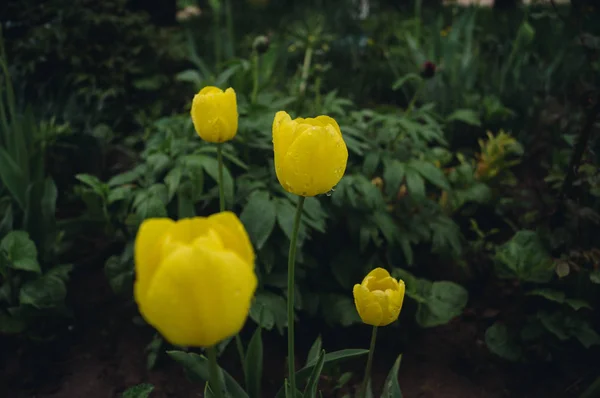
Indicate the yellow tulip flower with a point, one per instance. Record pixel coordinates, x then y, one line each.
378 299
214 114
310 154
195 277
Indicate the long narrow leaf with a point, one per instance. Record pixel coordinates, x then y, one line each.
13 178
333 357
313 381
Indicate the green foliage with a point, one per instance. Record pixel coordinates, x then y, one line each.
437 302
139 391
32 284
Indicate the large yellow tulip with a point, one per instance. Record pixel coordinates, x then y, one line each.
378 299
195 277
310 154
214 114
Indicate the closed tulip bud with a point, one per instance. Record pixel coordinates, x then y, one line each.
261 44
195 277
214 114
310 154
378 299
428 70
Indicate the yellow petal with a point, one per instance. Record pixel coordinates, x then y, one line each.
200 296
314 163
210 90
233 235
148 251
283 133
378 273
326 120
367 306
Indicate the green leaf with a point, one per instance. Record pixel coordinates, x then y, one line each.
268 310
415 183
254 364
431 173
150 206
330 359
314 351
310 391
259 217
524 257
13 178
119 193
93 182
185 201
120 274
564 326
172 181
401 81
7 218
549 294
393 175
500 343
20 252
467 116
286 211
45 292
595 276
196 368
61 272
139 391
391 388
444 301
578 304
371 163
211 166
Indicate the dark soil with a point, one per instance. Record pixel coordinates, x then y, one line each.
103 354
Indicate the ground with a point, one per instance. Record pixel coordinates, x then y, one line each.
104 354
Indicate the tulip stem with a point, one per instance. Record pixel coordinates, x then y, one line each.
290 296
220 177
213 372
238 339
256 60
363 389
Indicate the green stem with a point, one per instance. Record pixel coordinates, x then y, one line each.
230 32
413 100
217 37
256 60
363 389
220 176
213 372
238 339
290 293
318 94
306 68
304 77
409 109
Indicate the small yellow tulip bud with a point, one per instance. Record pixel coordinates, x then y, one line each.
195 277
310 154
378 299
214 113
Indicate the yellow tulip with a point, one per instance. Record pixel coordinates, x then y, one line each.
310 154
195 277
214 114
378 299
